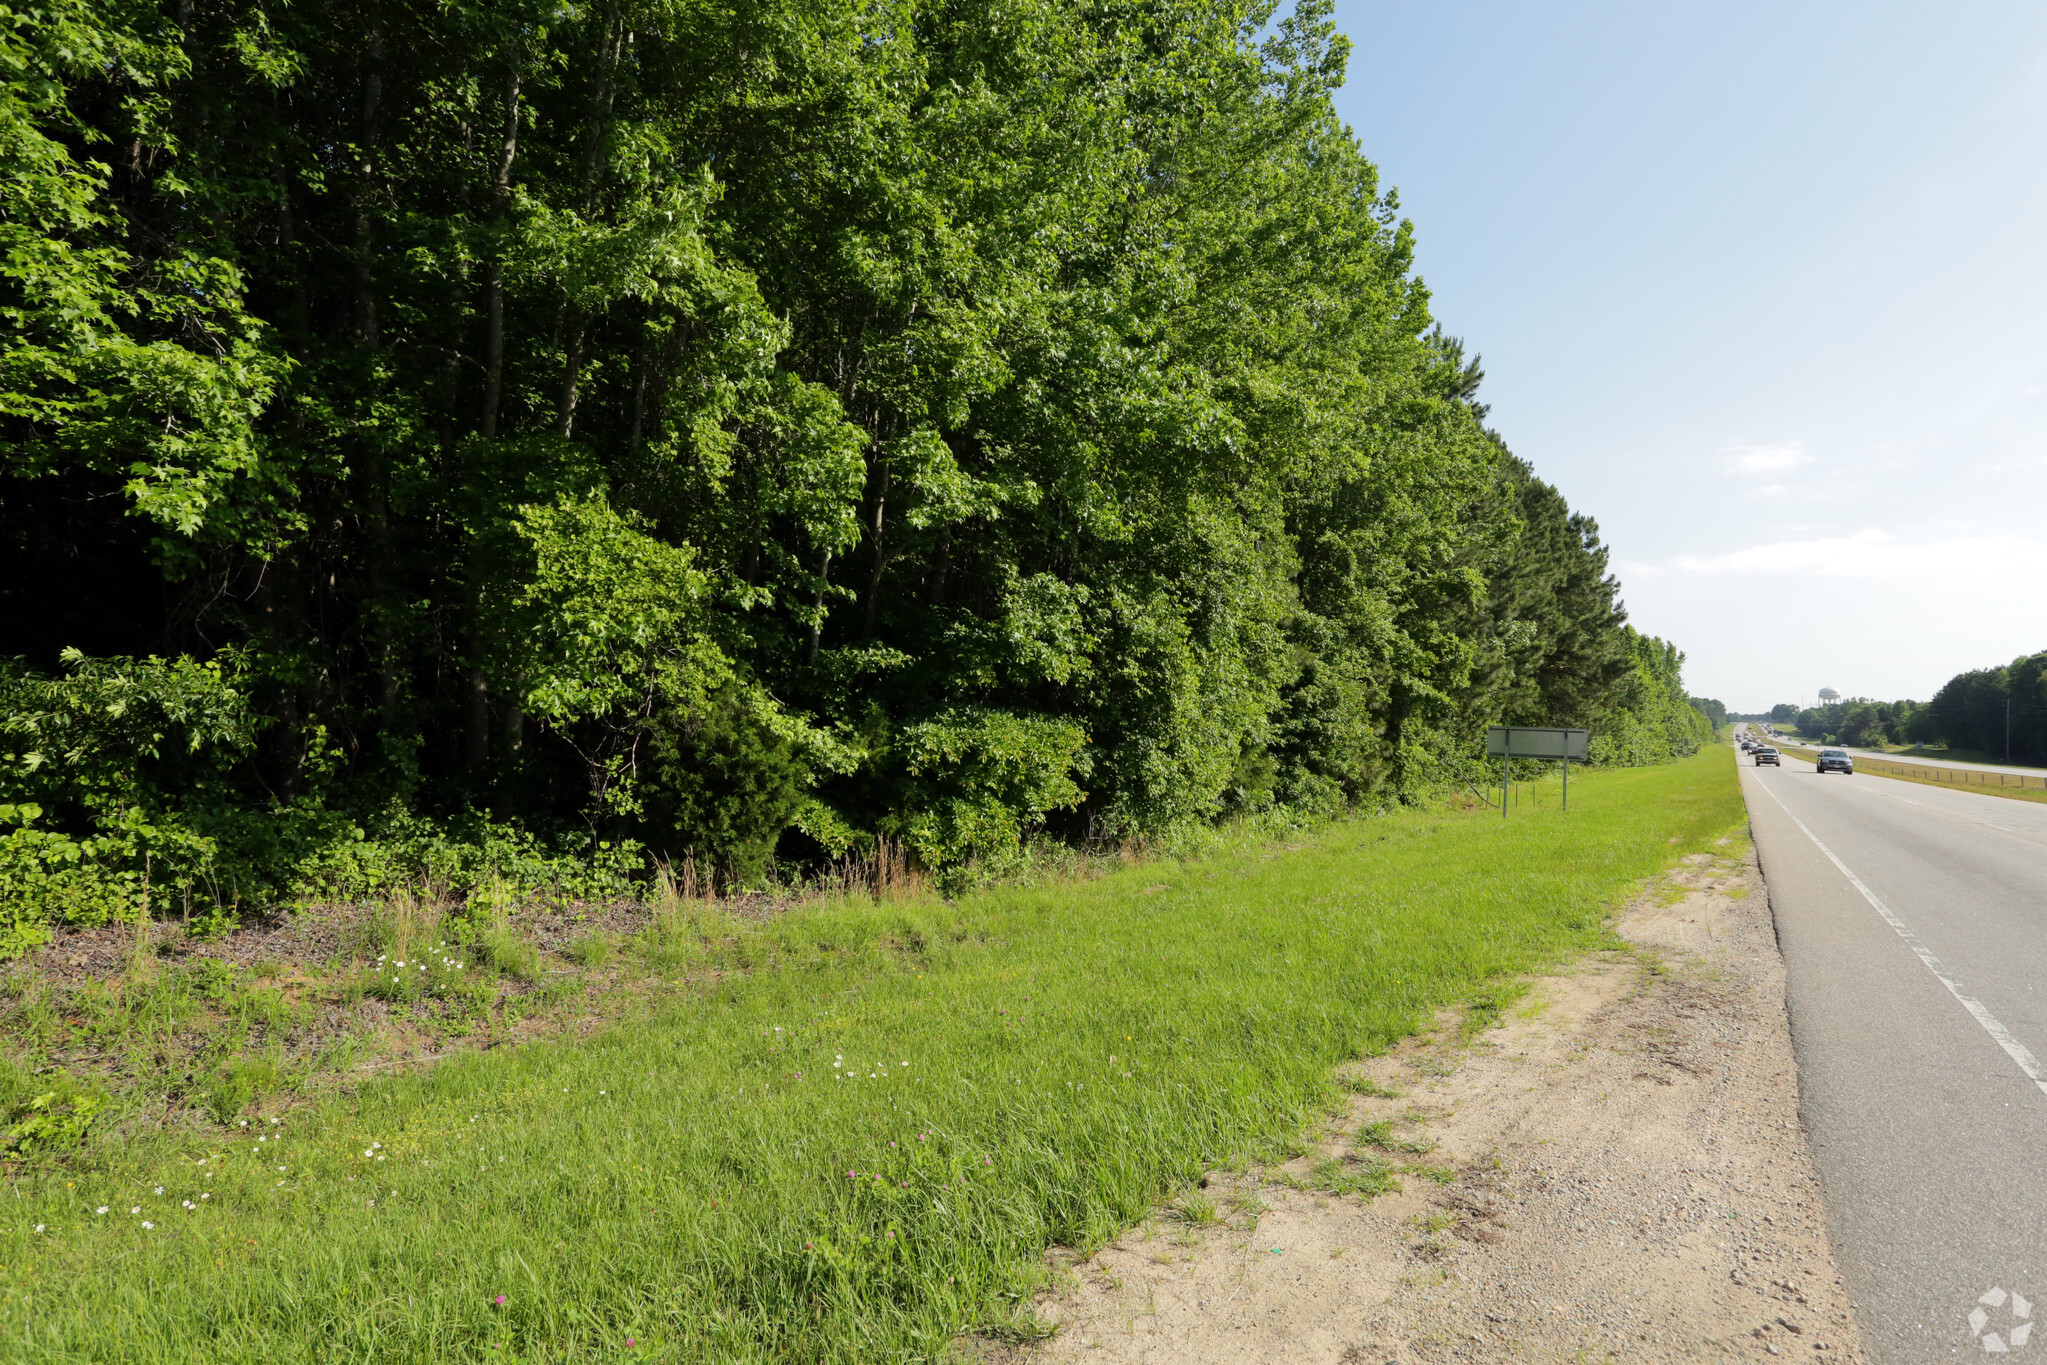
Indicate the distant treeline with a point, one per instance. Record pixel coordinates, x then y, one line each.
450 437
1995 711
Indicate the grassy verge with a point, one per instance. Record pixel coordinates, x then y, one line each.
1979 756
2016 786
855 1156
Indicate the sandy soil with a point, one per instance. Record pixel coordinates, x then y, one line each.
1616 1171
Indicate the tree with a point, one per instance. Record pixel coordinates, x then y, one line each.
745 432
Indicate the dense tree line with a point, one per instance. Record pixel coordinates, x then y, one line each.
1993 711
1858 721
750 429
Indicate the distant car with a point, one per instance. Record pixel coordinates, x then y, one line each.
1837 761
1765 754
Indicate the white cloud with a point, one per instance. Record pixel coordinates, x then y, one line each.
1748 460
1871 554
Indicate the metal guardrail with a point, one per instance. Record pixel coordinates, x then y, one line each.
1926 772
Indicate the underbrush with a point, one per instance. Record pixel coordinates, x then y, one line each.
847 1132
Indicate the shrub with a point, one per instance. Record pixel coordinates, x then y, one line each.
50 1120
729 776
48 879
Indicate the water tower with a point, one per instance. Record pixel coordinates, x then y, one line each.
1828 694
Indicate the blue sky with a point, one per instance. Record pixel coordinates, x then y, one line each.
1764 289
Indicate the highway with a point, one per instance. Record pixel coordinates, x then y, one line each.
1908 757
1913 922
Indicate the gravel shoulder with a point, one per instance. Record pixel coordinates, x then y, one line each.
1616 1170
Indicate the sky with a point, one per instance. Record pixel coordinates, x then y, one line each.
1763 289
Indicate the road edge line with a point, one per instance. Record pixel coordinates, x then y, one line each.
1999 1034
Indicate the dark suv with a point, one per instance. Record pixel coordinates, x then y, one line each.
1837 761
1765 754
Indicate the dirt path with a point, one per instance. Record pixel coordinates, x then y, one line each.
1617 1171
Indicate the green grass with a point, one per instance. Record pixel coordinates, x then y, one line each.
1958 755
1361 1176
2013 786
1381 1136
855 1155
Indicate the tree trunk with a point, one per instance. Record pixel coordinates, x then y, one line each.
285 740
874 572
364 320
515 718
476 740
299 314
493 274
593 148
824 573
572 366
383 634
375 474
641 359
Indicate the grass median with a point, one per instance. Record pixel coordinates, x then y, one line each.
2012 786
857 1139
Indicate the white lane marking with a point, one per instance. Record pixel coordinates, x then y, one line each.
1999 1034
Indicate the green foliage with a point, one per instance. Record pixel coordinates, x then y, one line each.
126 757
1994 711
727 775
43 1116
1076 1054
486 439
980 779
1991 712
1655 721
486 861
1874 724
238 1085
212 979
48 878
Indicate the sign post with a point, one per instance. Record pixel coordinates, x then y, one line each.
1510 742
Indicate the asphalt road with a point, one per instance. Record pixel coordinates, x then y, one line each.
1909 757
1915 1027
